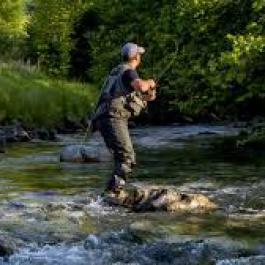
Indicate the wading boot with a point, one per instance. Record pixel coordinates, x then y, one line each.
115 185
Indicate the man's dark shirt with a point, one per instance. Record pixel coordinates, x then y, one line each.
127 77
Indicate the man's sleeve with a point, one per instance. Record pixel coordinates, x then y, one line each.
129 76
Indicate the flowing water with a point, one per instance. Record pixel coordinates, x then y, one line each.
55 211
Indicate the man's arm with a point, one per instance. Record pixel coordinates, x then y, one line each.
143 85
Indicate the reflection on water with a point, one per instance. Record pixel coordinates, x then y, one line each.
186 157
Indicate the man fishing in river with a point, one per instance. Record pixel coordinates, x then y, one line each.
123 96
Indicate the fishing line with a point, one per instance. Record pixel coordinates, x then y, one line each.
171 62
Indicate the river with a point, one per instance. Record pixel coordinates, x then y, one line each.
55 210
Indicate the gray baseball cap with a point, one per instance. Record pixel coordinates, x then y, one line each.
131 50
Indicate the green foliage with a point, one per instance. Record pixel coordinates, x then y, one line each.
254 138
215 48
12 18
28 96
50 33
218 45
13 21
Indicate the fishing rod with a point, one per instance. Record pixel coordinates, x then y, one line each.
169 65
161 75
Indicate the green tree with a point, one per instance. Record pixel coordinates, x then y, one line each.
50 33
13 21
12 17
218 47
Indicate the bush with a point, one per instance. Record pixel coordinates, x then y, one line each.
13 21
254 138
50 31
215 48
35 100
218 47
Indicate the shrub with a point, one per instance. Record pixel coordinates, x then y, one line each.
35 100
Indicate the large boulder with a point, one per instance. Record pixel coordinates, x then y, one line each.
80 154
148 198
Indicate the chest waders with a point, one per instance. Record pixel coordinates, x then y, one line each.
116 105
117 100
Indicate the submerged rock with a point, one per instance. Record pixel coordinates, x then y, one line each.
148 198
13 134
8 245
65 211
79 154
43 134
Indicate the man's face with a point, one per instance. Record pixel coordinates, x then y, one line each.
138 59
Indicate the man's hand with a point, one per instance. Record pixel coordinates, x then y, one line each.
150 95
144 85
152 83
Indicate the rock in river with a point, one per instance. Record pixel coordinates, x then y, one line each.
8 245
79 154
150 198
13 134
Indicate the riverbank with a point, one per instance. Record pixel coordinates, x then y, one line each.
32 99
35 106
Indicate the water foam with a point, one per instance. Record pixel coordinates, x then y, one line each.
97 207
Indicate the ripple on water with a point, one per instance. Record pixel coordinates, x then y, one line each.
154 137
96 207
258 260
51 255
125 247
